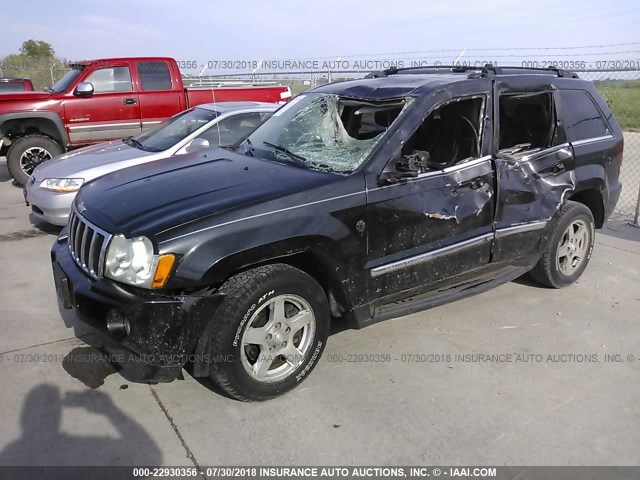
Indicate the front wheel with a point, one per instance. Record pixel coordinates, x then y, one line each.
269 332
569 248
26 153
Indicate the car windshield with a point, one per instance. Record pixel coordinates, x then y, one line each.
67 79
170 132
323 132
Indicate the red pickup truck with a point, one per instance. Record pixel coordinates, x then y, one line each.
102 100
15 85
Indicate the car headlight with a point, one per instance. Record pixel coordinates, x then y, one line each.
131 260
62 185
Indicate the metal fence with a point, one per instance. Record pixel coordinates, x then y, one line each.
620 88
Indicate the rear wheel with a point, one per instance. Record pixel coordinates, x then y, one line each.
26 153
269 332
569 249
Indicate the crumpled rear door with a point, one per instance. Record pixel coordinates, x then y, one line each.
532 185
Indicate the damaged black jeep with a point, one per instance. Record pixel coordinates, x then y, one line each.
358 201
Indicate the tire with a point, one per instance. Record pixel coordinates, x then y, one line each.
26 153
260 306
568 249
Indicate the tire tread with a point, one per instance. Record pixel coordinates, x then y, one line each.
237 289
13 164
543 271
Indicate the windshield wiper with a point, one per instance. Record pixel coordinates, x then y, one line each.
136 143
298 160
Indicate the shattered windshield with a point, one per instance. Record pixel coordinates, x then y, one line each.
323 132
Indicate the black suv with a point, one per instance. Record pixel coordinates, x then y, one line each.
358 201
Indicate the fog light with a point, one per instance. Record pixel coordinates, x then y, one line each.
117 324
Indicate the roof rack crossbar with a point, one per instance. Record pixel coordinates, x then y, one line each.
485 70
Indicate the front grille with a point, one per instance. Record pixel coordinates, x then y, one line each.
87 244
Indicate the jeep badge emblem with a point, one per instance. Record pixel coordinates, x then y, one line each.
82 208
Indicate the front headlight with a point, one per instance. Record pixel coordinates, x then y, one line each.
62 185
131 260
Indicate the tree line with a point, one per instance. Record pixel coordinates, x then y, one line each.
36 61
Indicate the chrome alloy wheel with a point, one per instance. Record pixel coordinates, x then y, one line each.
278 338
573 248
32 157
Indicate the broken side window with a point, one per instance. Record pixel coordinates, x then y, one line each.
450 134
582 117
324 131
527 121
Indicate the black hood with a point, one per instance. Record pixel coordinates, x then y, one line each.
150 198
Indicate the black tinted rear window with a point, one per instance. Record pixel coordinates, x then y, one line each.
583 119
154 76
11 87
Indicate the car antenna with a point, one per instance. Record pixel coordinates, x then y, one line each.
215 106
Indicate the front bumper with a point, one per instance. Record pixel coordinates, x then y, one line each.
163 329
52 207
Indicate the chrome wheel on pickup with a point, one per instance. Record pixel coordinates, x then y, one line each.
26 153
568 246
269 331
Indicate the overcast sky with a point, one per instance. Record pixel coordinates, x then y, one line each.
288 29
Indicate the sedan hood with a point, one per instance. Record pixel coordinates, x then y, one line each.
150 198
75 163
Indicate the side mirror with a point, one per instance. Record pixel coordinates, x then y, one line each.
404 168
197 144
83 89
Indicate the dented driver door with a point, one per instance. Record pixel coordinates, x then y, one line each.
425 232
535 170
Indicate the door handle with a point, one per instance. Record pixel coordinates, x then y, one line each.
474 184
553 170
129 101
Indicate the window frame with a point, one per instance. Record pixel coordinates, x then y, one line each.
557 137
141 76
95 92
569 128
224 118
481 128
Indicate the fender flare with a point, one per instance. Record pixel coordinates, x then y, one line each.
60 133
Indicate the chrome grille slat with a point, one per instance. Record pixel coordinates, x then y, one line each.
103 254
77 239
83 247
87 244
92 265
73 223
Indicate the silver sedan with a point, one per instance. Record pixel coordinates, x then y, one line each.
54 184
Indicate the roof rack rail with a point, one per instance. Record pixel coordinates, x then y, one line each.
484 71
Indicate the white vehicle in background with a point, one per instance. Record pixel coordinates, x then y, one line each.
53 185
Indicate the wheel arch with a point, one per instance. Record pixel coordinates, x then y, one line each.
319 257
592 199
20 124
